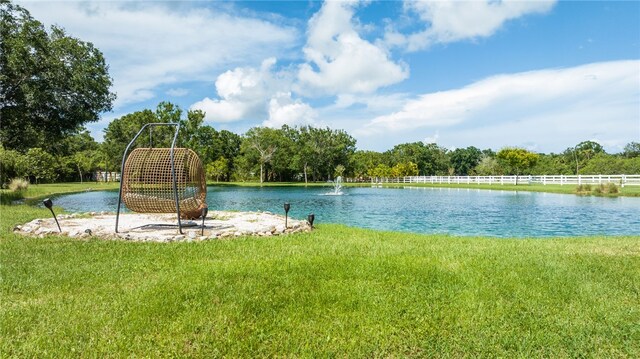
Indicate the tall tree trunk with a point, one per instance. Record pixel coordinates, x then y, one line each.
261 172
305 173
80 172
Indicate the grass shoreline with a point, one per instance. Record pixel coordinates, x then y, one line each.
628 191
35 192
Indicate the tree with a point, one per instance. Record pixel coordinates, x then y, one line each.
404 169
631 150
430 158
362 162
260 145
281 166
244 169
464 160
321 150
380 171
40 165
550 164
12 164
208 143
50 83
306 152
225 143
488 166
120 132
218 168
606 164
583 152
84 161
517 160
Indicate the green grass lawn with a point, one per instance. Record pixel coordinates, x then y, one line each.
337 291
628 191
43 190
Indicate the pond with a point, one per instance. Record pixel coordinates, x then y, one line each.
421 210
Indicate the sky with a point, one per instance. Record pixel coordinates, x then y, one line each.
543 75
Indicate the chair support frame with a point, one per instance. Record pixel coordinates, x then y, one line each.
173 169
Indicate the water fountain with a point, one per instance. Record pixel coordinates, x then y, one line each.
337 187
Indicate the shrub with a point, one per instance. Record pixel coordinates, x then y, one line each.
583 189
18 185
612 188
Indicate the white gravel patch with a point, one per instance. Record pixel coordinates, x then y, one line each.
152 227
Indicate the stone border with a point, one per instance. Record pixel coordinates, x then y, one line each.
162 227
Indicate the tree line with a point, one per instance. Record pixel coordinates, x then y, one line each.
52 84
305 154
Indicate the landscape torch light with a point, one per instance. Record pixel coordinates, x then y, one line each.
205 211
47 203
287 207
310 219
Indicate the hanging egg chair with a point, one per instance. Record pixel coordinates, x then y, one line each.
163 180
147 182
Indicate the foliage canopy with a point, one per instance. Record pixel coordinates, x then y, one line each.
50 83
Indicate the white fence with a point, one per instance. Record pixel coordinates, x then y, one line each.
621 180
102 176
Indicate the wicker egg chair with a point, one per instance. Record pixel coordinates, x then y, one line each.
163 180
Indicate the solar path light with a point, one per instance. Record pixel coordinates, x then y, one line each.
287 207
47 203
205 210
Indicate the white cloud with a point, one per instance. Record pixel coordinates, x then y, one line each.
283 110
149 44
556 106
432 139
374 103
339 60
243 93
177 92
349 67
450 20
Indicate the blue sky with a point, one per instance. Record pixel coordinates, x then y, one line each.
542 75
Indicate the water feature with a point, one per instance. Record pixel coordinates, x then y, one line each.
337 188
422 210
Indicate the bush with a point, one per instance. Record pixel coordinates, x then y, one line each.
18 185
583 189
602 188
